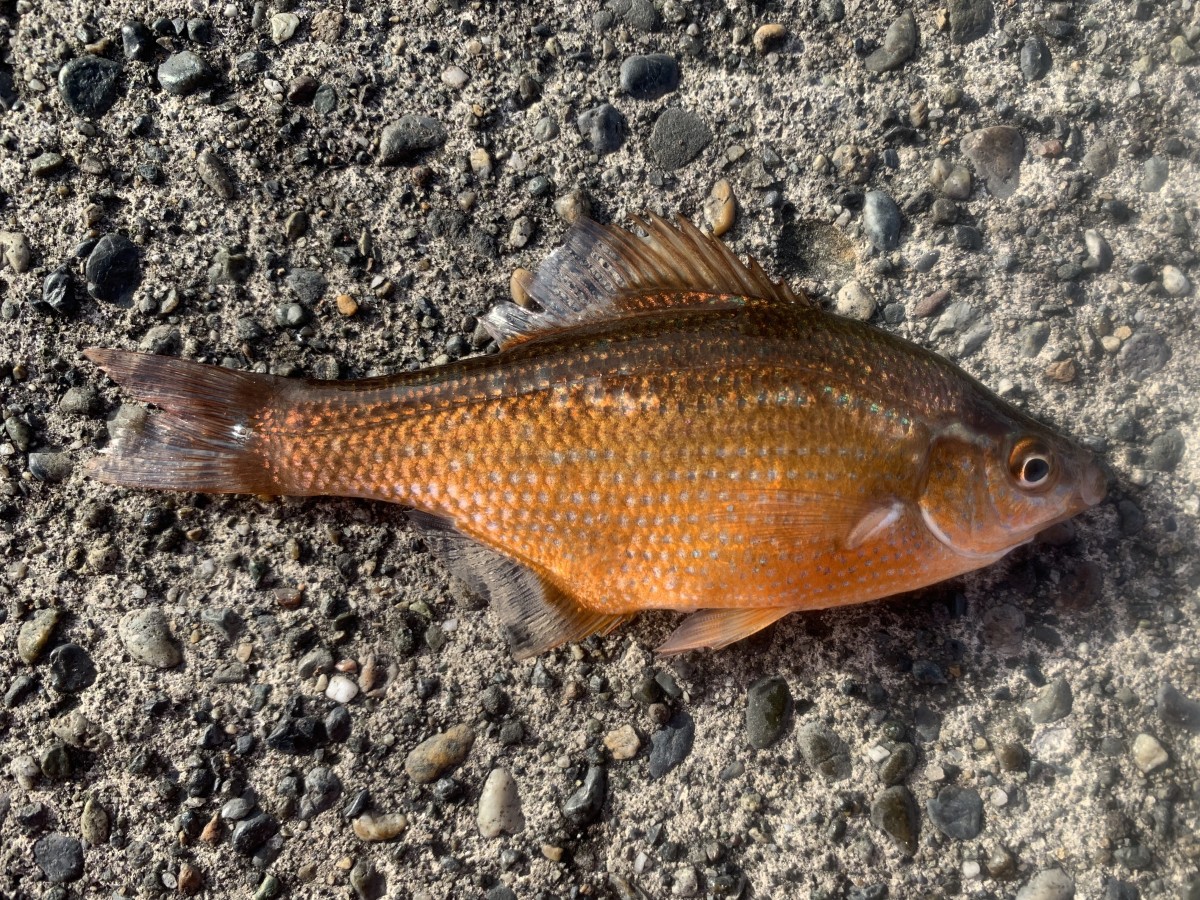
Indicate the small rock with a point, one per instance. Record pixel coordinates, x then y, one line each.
1036 60
969 19
408 137
677 138
1052 702
35 633
79 401
898 45
71 669
957 185
769 37
50 466
454 77
113 269
183 73
88 85
1101 158
367 881
94 822
252 833
500 806
1174 282
1143 355
573 206
957 812
1099 253
602 128
1177 710
649 77
825 752
1154 174
881 221
894 812
585 805
1049 884
640 15
137 42
671 745
1181 51
17 253
720 209
623 743
214 174
47 164
437 755
996 153
60 857
283 27
768 706
147 636
322 789
341 689
899 763
1148 753
308 285
375 827
1166 451
854 302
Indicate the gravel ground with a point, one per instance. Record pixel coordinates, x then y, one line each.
225 696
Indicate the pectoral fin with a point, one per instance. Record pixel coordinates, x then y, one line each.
717 628
874 524
536 615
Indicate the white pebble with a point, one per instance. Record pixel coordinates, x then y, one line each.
854 302
878 754
454 77
1148 753
341 689
283 26
971 869
1174 282
999 798
500 806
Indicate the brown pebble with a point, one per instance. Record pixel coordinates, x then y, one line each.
382 827
214 174
435 756
1064 371
212 831
518 286
346 305
932 303
769 37
189 881
1052 149
720 209
552 853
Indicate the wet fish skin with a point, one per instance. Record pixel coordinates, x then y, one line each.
650 441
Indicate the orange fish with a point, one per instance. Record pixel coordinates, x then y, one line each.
669 429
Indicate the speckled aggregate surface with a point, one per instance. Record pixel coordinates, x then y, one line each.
124 738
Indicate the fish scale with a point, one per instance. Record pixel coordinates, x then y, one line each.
667 429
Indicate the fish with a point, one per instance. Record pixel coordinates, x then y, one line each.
662 427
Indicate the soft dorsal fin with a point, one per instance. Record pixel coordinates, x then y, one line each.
602 272
537 616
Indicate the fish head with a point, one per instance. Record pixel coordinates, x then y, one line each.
992 486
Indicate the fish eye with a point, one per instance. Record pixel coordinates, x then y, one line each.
1031 464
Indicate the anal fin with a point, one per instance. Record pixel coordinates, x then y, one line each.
536 615
717 628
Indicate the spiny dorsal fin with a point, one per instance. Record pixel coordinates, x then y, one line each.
537 616
602 272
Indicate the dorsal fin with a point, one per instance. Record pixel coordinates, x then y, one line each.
602 272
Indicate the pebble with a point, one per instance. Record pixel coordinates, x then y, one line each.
1174 282
88 85
898 764
346 305
408 137
1052 702
79 401
147 636
341 689
500 806
1099 253
677 138
602 128
322 789
214 174
308 285
17 253
573 206
367 881
113 269
1049 884
854 301
881 221
1181 51
640 15
623 743
454 77
899 42
894 812
35 633
1148 753
671 745
71 669
1100 159
250 834
376 827
1036 60
768 708
283 27
1177 710
47 164
769 37
1144 354
137 42
969 19
996 152
50 466
60 857
957 184
585 805
184 73
1154 174
94 823
1166 451
720 209
956 812
435 756
649 77
825 752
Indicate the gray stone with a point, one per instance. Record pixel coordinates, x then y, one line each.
1174 282
1101 158
50 466
825 752
1036 60
898 764
113 269
1049 884
894 812
409 137
322 789
1099 253
147 636
1154 174
671 745
898 45
214 173
969 20
649 77
602 128
585 805
252 833
677 138
1177 710
768 706
183 73
996 153
1166 451
71 669
60 857
882 221
88 85
1052 702
640 15
1144 354
308 285
956 812
35 633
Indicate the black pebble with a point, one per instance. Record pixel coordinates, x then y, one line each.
113 269
71 669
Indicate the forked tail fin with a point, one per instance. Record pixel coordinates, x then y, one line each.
204 439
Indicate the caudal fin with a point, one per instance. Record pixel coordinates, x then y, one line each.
204 438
